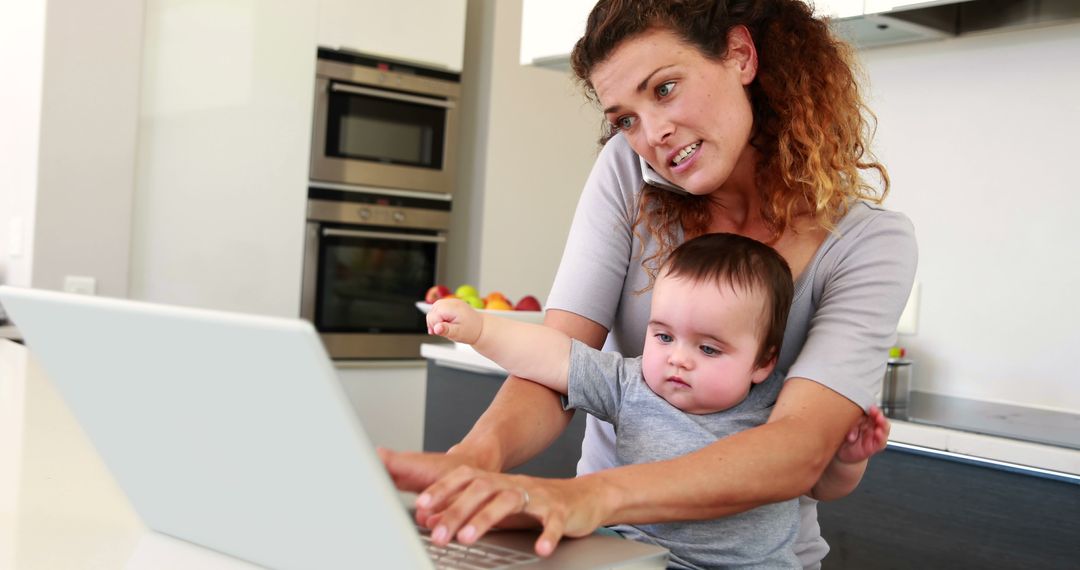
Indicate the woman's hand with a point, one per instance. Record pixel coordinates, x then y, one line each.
867 437
469 502
413 472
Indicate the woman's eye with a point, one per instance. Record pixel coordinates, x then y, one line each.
623 123
663 337
665 89
709 351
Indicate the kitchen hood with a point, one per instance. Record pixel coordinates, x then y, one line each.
902 22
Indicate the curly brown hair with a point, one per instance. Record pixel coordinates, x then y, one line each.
811 127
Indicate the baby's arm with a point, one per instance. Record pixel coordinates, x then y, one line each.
529 351
867 437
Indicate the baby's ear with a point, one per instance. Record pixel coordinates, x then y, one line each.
762 372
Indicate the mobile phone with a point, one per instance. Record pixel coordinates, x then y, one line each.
652 178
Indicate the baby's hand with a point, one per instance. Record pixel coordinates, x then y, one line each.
867 437
455 320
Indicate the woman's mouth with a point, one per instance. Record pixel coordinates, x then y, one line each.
685 153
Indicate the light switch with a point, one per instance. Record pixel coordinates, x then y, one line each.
909 319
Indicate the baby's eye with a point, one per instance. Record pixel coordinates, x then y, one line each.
709 351
663 337
665 89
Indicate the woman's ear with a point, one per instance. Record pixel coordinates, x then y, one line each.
743 53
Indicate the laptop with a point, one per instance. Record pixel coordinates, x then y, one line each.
232 432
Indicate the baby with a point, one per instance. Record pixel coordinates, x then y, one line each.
719 309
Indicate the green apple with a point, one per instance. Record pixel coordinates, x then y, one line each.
476 302
466 291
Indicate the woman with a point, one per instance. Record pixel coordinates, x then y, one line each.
752 108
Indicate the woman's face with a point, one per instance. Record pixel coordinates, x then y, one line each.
688 116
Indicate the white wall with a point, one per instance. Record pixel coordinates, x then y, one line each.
67 147
22 53
87 148
224 137
979 135
538 141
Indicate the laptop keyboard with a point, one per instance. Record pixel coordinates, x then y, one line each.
455 556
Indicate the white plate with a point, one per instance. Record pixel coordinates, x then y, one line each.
527 316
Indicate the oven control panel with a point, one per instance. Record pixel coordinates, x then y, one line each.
331 205
381 215
375 215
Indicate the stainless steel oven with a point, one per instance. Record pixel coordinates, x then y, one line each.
384 124
369 257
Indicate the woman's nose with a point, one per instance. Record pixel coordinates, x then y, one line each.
657 129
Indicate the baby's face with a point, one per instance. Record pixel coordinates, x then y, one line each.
701 344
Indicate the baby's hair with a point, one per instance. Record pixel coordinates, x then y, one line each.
744 264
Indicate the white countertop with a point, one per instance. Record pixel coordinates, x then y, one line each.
461 356
10 332
1000 449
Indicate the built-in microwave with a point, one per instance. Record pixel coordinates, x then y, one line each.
384 124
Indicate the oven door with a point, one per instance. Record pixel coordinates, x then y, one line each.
369 136
361 285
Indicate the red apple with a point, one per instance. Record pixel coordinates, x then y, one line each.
527 303
435 293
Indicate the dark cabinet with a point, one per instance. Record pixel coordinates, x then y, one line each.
922 510
456 398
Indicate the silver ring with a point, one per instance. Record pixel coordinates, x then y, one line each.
525 496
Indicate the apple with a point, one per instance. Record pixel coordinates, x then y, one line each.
467 291
475 301
496 295
435 293
498 305
527 303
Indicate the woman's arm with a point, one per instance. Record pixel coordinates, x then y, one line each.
778 461
802 435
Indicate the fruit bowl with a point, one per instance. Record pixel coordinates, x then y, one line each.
527 316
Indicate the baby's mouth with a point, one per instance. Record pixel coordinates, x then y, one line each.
677 380
685 153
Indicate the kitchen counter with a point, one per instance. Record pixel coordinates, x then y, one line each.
460 356
1017 422
1044 441
10 332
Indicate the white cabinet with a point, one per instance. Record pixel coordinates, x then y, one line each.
389 400
426 32
837 8
550 28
